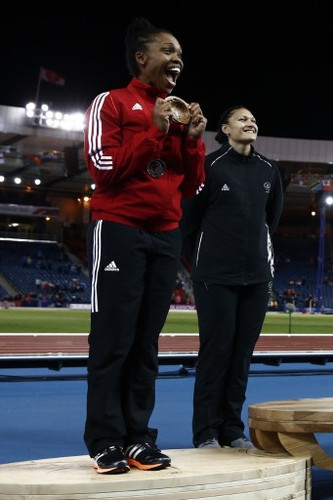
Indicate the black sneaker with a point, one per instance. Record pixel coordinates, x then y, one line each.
146 456
111 461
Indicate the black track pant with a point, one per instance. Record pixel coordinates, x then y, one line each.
230 320
133 274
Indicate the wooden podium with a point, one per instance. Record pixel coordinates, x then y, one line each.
291 425
227 474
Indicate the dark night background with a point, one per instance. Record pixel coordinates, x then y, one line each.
273 57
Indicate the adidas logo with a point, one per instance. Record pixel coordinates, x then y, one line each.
225 187
111 267
137 106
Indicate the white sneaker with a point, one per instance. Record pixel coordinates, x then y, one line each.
209 443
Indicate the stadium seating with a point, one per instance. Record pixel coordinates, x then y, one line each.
43 274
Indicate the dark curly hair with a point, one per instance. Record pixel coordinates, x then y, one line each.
140 33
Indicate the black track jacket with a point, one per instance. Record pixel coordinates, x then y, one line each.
227 227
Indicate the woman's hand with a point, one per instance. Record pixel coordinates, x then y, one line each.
162 114
198 122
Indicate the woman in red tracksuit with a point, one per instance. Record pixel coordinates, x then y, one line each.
143 163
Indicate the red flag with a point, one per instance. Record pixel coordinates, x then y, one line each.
50 76
328 185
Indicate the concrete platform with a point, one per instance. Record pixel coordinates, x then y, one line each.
227 474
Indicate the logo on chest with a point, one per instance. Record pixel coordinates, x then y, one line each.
267 187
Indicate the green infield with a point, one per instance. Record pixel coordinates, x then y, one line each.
16 320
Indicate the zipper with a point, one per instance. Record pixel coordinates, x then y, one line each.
198 250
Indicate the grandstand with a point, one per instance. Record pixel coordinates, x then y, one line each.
43 274
43 226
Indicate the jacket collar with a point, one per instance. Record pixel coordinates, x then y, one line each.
144 90
226 148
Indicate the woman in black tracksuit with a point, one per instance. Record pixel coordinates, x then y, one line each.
227 232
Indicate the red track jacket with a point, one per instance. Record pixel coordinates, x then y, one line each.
120 142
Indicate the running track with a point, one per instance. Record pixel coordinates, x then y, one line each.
57 350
